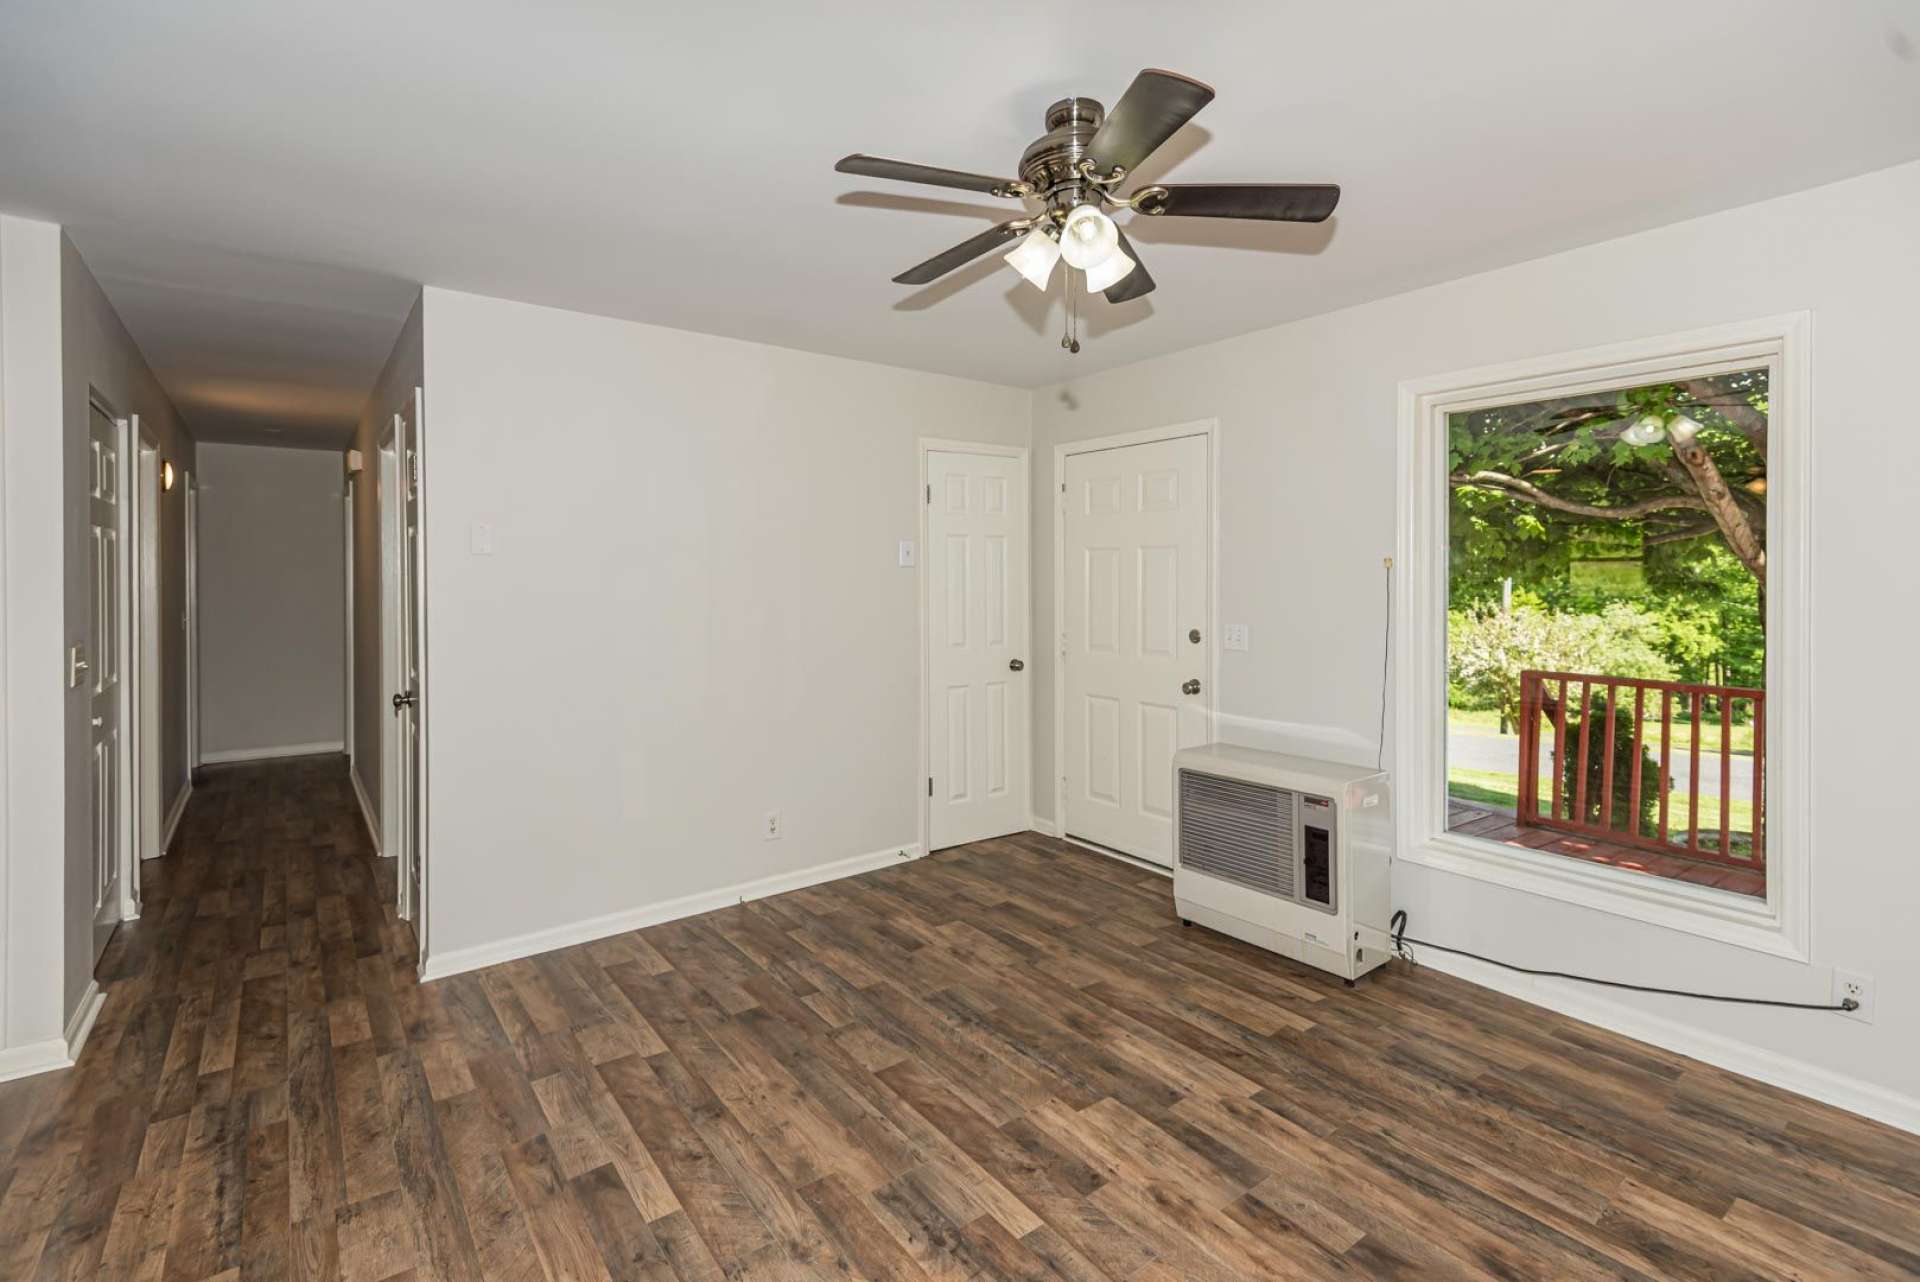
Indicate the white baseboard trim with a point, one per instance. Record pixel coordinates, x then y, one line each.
1045 827
366 806
34 1058
1119 856
1868 1099
265 754
175 813
441 965
80 1026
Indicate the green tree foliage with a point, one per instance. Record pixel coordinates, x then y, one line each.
1536 486
1488 649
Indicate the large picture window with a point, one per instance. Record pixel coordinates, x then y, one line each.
1601 674
1606 641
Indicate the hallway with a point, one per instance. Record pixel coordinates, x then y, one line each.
1007 1060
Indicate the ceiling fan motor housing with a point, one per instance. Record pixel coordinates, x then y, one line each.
1053 159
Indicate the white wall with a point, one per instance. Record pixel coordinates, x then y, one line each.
272 601
692 614
1307 415
32 871
371 711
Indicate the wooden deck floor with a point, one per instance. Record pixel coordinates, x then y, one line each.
1495 825
1004 1061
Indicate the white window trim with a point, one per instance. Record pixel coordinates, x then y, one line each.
1778 926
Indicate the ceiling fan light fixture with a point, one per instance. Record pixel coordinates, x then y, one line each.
1088 237
1034 258
1109 271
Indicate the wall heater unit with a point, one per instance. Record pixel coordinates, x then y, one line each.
1288 853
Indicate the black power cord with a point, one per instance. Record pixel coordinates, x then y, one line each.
1398 925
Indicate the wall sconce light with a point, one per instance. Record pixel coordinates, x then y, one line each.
166 474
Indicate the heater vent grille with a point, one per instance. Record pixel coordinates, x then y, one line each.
1239 832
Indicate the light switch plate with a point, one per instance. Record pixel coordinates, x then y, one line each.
907 558
1235 636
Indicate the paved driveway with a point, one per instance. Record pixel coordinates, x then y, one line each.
1500 753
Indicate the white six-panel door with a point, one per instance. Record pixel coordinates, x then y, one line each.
1133 644
105 655
976 566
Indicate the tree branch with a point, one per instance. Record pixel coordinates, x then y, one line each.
1682 534
1726 511
1520 489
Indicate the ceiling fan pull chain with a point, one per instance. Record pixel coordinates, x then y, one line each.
1071 338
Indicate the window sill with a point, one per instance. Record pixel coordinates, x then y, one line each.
1727 918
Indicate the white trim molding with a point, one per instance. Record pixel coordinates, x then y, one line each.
229 755
1780 924
1868 1099
56 1052
366 805
175 813
460 960
80 1023
34 1058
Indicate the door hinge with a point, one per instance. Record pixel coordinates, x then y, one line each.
929 785
929 494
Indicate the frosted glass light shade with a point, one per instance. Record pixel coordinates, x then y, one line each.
1088 237
1109 271
1034 257
1681 429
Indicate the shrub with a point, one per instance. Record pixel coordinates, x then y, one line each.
1625 750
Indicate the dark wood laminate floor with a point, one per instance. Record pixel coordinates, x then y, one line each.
1005 1061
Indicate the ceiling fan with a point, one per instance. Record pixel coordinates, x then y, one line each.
1075 168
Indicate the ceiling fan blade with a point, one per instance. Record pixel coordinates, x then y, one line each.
1136 283
901 171
965 252
1151 111
1275 202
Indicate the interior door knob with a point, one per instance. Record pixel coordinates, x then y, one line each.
1016 665
1191 687
402 700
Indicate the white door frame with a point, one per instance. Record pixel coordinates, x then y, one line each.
347 502
191 491
923 500
148 680
127 435
392 511
1210 429
422 679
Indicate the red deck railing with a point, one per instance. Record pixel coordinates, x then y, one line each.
1586 799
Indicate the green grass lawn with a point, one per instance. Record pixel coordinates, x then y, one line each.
1491 788
1486 721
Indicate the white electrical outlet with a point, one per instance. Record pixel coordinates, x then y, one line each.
1847 984
1235 636
772 830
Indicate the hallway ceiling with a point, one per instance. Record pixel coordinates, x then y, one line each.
261 187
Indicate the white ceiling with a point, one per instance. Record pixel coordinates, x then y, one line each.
260 186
